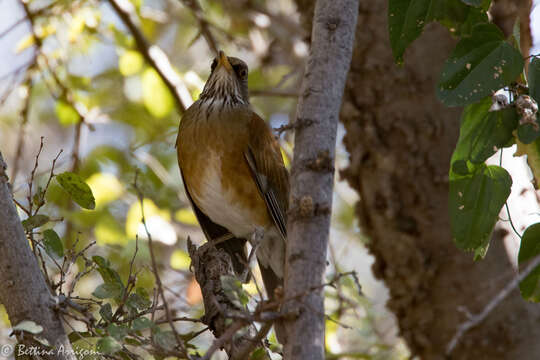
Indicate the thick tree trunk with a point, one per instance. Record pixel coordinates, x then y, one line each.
24 291
400 139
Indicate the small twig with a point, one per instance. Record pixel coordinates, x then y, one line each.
475 320
155 270
251 344
153 54
224 338
204 27
299 123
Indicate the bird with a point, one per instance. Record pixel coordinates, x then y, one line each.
234 174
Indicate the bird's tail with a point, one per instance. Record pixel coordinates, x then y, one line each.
271 282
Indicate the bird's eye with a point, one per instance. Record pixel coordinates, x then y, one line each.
213 66
240 70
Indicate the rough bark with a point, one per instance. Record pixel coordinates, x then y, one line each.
400 139
312 174
25 294
224 318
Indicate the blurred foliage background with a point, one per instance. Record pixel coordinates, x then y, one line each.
73 75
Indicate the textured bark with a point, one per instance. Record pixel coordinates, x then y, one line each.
312 175
25 294
400 139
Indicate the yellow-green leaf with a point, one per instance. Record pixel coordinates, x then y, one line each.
25 43
130 63
79 191
186 216
180 260
66 114
156 97
105 187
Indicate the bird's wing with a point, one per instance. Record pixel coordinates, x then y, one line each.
235 247
264 159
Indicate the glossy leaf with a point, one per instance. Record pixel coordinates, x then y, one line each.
475 201
407 18
482 133
478 66
79 191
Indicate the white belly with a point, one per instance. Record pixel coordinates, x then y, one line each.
218 204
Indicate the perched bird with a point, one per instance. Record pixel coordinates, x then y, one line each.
234 174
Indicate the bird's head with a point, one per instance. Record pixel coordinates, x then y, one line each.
227 83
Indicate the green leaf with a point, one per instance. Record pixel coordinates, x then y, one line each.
258 354
482 133
529 249
478 66
533 79
529 287
108 291
141 324
527 133
106 312
117 332
165 339
107 345
34 221
407 18
156 96
67 115
79 191
530 244
475 201
53 243
137 302
29 327
234 291
108 275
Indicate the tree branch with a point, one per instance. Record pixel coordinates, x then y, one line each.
155 57
312 175
26 295
477 319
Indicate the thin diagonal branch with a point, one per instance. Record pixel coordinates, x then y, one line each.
477 319
155 57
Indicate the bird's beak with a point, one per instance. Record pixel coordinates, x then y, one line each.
223 61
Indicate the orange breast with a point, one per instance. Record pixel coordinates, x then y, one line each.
211 158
